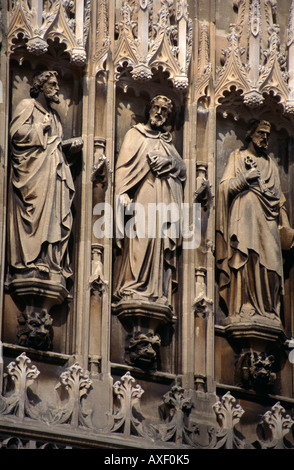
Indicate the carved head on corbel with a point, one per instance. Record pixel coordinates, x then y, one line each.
142 349
35 329
255 369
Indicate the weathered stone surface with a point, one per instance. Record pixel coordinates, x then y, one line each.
133 344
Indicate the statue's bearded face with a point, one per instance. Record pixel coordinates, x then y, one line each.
51 90
260 137
158 113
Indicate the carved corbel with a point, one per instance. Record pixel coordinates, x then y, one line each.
142 319
255 369
35 328
36 296
142 349
37 46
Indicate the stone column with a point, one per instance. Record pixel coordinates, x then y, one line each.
4 116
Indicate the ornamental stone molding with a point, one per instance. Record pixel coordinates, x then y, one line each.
39 21
176 427
280 424
228 413
145 45
179 367
258 67
22 374
256 369
129 395
177 408
204 66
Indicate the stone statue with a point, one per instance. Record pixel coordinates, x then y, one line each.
41 186
252 229
149 171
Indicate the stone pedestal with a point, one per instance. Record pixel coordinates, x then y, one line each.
257 339
142 319
36 294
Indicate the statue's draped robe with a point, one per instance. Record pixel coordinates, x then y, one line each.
145 260
41 193
248 242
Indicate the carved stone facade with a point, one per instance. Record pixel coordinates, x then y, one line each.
114 114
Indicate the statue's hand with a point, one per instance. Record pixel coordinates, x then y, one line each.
158 161
76 145
125 199
73 145
252 175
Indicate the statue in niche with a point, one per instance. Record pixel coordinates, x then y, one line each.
149 171
41 186
252 229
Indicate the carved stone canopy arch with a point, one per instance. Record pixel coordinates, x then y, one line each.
254 63
232 106
147 43
39 22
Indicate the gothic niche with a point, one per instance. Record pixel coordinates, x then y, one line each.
149 174
41 191
252 229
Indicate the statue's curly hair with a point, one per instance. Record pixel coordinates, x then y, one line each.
168 101
253 125
164 98
39 80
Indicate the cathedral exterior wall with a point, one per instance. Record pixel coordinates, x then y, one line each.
146 219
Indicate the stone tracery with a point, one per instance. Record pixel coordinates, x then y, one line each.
112 57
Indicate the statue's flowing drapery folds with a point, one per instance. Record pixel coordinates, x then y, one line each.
146 260
41 193
252 229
